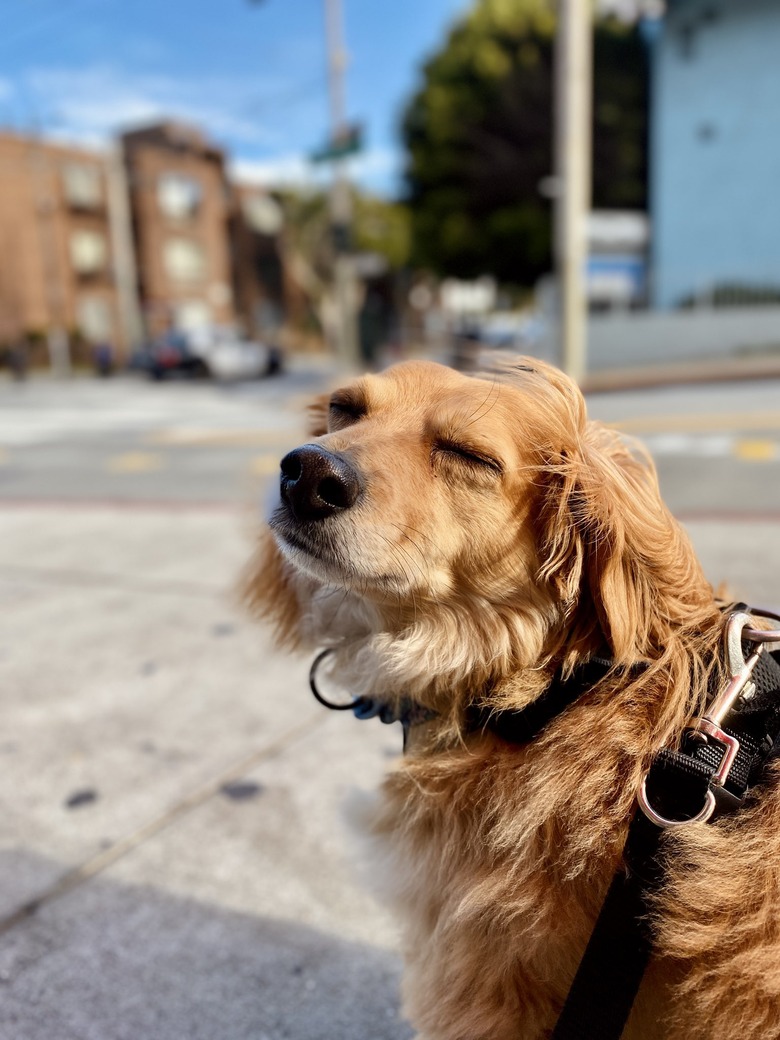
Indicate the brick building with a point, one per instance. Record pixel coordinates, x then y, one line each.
121 246
58 247
180 205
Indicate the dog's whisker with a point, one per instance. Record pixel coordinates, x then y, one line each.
405 528
477 415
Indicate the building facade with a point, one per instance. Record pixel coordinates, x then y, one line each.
715 152
58 255
121 247
180 209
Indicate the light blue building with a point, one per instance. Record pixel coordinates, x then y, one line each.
715 149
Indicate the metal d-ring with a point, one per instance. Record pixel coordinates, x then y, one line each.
661 821
348 706
761 635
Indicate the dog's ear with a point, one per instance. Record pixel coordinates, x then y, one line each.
317 411
620 564
268 588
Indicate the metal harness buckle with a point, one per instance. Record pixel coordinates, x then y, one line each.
739 627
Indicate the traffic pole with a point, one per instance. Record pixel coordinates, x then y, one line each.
573 148
341 215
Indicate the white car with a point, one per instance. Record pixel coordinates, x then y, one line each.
239 359
228 356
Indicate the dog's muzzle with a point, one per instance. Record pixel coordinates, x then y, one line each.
316 483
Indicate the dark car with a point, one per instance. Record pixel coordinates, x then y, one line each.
170 356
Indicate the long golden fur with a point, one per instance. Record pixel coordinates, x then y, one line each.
500 535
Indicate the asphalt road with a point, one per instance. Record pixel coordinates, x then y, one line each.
717 447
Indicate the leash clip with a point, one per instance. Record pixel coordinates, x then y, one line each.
709 727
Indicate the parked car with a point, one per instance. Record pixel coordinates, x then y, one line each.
168 356
217 352
236 358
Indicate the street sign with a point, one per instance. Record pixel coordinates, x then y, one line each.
348 142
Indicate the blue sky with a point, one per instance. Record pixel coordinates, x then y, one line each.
252 74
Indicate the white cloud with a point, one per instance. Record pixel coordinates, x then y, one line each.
88 106
378 168
92 103
375 170
278 171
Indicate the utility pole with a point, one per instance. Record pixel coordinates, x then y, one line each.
53 274
345 280
123 251
573 148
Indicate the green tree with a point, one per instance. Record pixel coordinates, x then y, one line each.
479 138
382 227
379 226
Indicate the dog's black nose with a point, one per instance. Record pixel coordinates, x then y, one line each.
316 483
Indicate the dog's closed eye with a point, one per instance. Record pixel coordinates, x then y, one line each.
345 408
467 456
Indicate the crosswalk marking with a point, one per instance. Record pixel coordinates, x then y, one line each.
716 446
685 444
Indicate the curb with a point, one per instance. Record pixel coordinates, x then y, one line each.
682 374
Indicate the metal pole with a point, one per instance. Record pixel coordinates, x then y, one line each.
56 335
123 251
573 90
346 287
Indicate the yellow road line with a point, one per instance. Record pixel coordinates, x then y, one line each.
264 465
135 462
707 422
755 450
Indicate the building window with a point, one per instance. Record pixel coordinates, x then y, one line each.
178 196
185 261
263 214
93 314
88 252
82 185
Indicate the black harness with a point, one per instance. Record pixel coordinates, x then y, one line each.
720 759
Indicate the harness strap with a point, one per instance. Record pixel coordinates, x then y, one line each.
678 784
611 970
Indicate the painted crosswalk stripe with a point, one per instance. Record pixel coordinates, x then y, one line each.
746 449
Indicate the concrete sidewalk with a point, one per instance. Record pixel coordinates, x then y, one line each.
172 797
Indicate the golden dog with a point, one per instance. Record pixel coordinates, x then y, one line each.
456 540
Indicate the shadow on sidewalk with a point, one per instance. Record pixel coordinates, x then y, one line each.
118 962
